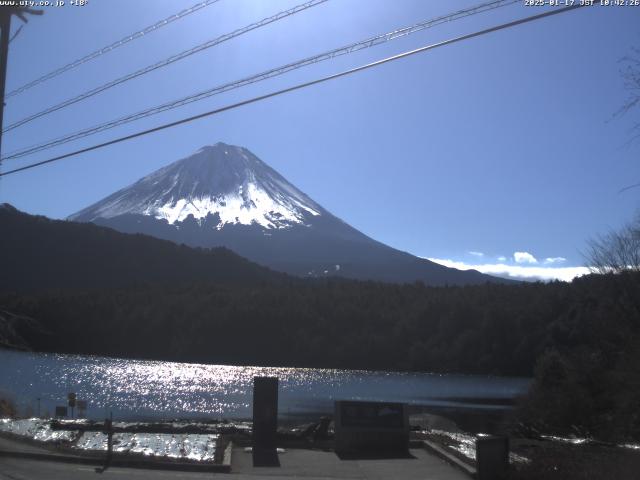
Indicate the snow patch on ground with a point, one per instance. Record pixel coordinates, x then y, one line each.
35 429
465 444
572 440
195 447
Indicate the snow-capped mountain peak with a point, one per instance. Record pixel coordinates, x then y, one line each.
224 196
225 181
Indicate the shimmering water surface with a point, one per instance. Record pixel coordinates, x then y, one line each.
140 389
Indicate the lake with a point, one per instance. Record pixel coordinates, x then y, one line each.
144 389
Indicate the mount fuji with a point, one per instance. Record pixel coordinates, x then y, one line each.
223 195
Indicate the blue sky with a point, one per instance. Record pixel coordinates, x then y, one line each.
496 151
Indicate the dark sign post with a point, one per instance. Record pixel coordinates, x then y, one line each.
265 421
72 401
371 428
492 457
82 408
108 430
61 412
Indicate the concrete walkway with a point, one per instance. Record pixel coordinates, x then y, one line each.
23 469
307 464
315 464
15 445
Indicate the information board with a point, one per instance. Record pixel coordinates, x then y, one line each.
371 428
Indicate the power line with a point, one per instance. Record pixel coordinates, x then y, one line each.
113 46
168 61
6 14
300 86
353 47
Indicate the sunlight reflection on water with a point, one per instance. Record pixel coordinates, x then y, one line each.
153 389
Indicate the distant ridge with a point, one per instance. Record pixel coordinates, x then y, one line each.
39 253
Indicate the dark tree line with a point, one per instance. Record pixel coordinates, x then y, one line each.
493 329
37 253
588 378
332 323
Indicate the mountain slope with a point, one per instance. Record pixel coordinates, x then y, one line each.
39 253
223 195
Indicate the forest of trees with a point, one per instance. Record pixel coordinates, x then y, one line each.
489 329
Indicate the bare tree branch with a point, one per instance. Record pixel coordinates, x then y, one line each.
615 251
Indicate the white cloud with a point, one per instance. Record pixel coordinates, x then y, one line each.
502 259
524 257
476 254
519 272
552 260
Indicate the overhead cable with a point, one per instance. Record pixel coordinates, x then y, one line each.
109 48
274 72
164 63
299 86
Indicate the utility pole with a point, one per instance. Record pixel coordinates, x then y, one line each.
5 25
